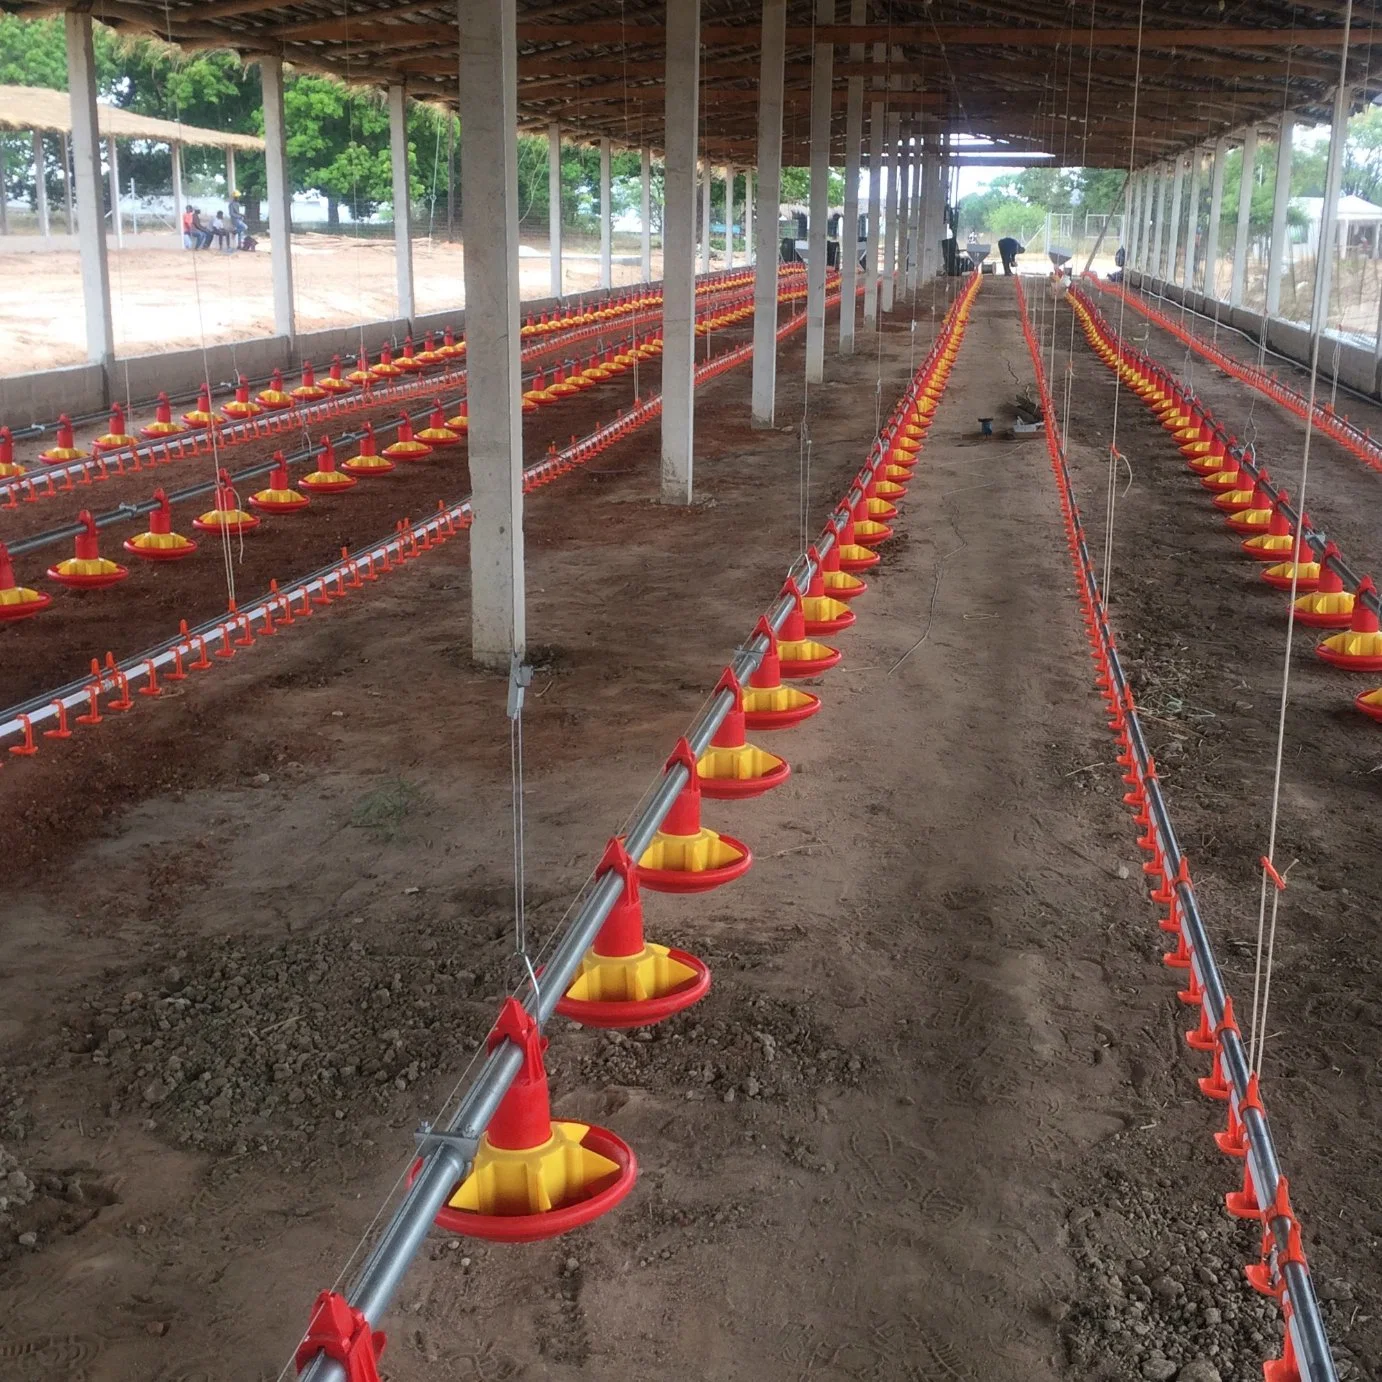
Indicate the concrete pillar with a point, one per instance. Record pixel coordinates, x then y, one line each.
280 196
889 270
4 200
920 196
1144 219
402 201
606 221
116 221
679 250
179 197
822 75
40 184
1159 240
86 162
849 224
554 209
1329 212
770 82
904 207
1240 235
877 135
231 188
1192 225
933 207
748 215
1276 251
67 183
489 225
645 211
729 217
1173 225
1213 235
707 190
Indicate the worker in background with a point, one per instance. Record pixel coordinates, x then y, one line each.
1009 249
238 226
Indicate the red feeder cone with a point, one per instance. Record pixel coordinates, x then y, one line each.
309 391
535 1177
437 433
63 449
535 397
368 461
227 516
407 447
1329 605
408 361
839 585
731 768
854 556
88 569
1238 500
9 467
1306 572
823 613
1359 648
429 354
17 601
274 398
801 656
116 434
160 542
201 415
163 424
1369 702
280 497
385 369
1255 518
1230 476
326 479
461 422
685 856
1278 541
624 980
240 406
334 381
767 703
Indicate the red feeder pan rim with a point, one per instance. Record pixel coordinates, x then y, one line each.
320 487
92 582
1238 525
642 1012
367 469
853 564
533 1228
815 627
741 789
13 613
1306 585
809 667
871 539
1350 662
276 506
685 881
1373 712
160 553
245 525
781 719
1324 621
1267 554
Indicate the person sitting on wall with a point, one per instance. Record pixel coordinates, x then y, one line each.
238 225
220 228
1008 250
188 241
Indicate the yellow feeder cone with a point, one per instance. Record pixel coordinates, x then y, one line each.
732 769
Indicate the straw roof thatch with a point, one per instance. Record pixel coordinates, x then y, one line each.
40 108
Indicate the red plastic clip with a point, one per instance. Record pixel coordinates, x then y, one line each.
341 1332
1270 869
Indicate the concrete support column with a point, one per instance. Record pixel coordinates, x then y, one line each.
489 225
1240 236
606 221
117 223
1144 220
402 201
920 199
558 280
707 189
40 184
679 250
67 183
849 228
729 216
1173 226
86 162
645 211
822 75
231 187
904 207
877 135
1281 199
4 200
770 82
1214 236
1192 225
280 198
1329 212
933 211
1159 239
889 270
748 215
179 197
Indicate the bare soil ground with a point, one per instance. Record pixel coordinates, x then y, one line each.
929 1111
171 300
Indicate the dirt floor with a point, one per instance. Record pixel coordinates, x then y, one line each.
170 300
934 1120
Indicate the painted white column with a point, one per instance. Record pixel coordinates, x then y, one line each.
889 270
1214 238
1173 225
40 184
117 223
1329 212
877 135
489 225
280 196
920 199
849 222
1144 246
679 250
822 76
1159 243
86 162
645 212
933 209
1281 200
904 208
770 82
1192 228
402 202
707 189
67 183
606 220
231 187
179 196
558 279
748 215
729 216
1247 177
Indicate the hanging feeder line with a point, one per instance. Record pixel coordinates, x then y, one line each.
1357 440
268 614
579 307
341 1344
1314 543
1282 1272
200 441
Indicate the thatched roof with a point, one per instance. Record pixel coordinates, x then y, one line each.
40 108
